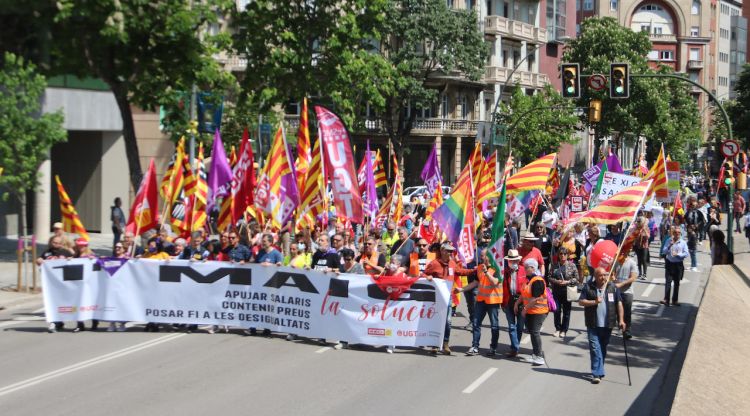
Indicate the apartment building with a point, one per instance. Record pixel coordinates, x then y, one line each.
731 45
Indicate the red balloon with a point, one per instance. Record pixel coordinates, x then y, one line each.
603 254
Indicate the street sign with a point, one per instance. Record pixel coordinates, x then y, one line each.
597 82
730 148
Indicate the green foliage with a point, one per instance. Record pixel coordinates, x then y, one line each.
301 48
538 124
662 110
148 52
26 135
426 44
739 113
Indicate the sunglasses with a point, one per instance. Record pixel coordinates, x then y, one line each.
422 245
120 247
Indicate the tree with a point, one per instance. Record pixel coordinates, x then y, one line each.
26 135
537 124
146 51
301 48
659 109
424 39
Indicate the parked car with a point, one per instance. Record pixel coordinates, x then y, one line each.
419 191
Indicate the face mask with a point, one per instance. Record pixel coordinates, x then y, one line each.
301 247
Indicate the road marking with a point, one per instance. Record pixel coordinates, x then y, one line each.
21 319
40 310
478 382
525 339
88 363
660 311
322 350
652 286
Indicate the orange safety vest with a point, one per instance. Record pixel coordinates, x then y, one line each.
487 292
527 298
417 265
373 260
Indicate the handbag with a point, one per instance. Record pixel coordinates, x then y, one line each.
551 301
571 293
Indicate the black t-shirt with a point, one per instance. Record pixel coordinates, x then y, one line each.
324 261
55 253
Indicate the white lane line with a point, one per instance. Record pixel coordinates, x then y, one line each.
20 320
478 382
322 350
660 311
40 310
650 288
525 339
88 363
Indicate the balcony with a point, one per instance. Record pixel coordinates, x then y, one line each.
498 25
656 37
695 64
235 63
496 74
421 126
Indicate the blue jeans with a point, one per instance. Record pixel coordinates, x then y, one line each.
515 327
447 335
693 259
480 309
598 341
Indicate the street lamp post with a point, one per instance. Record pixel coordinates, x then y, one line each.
493 123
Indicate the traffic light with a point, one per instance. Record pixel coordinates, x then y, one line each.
619 81
729 169
595 111
571 81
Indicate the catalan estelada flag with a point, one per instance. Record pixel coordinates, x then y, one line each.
532 176
303 145
658 174
452 214
200 193
379 171
486 188
436 201
622 206
71 221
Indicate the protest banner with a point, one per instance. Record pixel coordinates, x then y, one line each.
308 303
616 182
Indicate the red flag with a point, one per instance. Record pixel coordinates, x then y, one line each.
339 164
243 181
143 212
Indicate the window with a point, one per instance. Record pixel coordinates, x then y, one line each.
469 4
464 107
650 8
733 57
653 55
588 5
695 54
292 108
723 81
696 8
723 57
658 30
724 33
613 4
449 3
444 106
694 31
667 55
646 28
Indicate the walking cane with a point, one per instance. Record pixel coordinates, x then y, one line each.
627 362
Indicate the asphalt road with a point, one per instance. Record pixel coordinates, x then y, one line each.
196 374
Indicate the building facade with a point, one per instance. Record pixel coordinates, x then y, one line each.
731 45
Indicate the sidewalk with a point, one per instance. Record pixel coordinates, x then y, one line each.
9 297
714 375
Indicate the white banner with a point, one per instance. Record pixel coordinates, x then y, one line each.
613 183
308 303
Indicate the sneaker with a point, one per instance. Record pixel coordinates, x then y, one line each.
473 351
266 332
338 346
491 353
537 360
78 329
389 350
556 334
322 341
563 334
290 337
122 327
511 354
344 345
250 332
111 327
433 351
642 277
52 328
627 334
595 380
211 329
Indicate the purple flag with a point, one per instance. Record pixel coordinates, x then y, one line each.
220 175
613 163
288 193
371 197
431 172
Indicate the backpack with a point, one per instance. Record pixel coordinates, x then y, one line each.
551 301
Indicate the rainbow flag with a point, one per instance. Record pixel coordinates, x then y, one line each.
532 176
622 206
452 214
